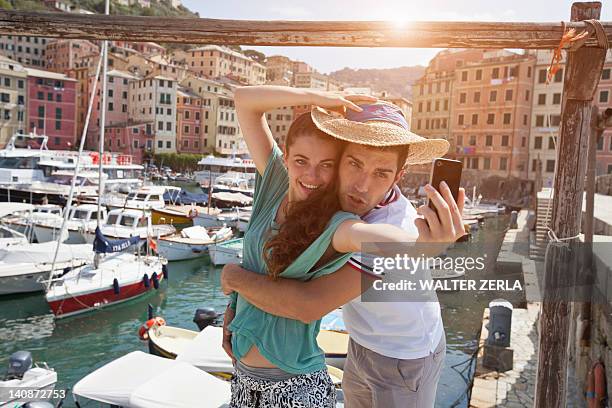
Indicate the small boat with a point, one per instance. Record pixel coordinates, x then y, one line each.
184 215
226 252
217 217
234 183
141 380
173 215
114 277
24 375
126 223
243 222
175 195
82 218
231 200
191 242
10 237
24 266
23 221
145 198
203 349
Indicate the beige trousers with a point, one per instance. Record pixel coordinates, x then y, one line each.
372 380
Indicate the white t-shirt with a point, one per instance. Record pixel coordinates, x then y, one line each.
403 330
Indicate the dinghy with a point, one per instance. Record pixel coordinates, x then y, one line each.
192 242
140 380
226 252
24 375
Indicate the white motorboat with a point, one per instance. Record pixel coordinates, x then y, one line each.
212 167
126 223
140 380
10 237
115 278
226 252
23 221
145 198
24 375
191 242
219 218
82 218
24 266
29 171
231 200
233 183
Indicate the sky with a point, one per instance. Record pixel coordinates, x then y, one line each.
327 59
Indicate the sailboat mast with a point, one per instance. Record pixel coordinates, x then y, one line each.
102 119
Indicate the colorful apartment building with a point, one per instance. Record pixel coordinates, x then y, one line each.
26 50
52 106
192 122
63 55
213 61
153 99
133 138
432 93
545 119
13 97
117 103
221 128
279 120
491 108
603 99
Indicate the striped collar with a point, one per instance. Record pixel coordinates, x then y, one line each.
391 197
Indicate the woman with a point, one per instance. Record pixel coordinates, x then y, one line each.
278 361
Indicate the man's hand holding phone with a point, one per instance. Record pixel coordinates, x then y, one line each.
443 225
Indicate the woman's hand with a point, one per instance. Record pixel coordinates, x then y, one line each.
340 102
227 334
228 275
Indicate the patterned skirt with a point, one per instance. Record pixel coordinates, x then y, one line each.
312 390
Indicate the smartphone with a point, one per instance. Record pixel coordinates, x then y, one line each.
445 170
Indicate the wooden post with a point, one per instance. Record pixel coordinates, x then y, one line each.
583 71
596 133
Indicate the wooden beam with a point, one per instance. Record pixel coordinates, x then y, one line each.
289 33
583 71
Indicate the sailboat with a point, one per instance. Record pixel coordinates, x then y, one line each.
116 274
116 278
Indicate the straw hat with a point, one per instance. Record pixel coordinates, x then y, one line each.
379 124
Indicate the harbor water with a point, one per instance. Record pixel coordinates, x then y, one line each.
76 346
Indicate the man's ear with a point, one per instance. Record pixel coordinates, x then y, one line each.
399 175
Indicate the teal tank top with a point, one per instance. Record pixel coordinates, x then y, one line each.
289 344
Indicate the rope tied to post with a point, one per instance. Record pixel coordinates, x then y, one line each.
574 40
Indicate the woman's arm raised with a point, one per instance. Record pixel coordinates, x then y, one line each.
252 102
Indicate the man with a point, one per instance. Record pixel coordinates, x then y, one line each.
396 349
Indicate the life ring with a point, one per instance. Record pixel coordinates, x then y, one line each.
193 213
596 386
143 332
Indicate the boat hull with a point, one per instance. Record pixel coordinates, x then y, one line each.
45 233
70 305
160 216
220 255
26 283
174 251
